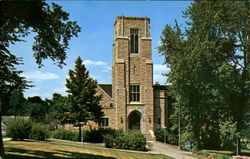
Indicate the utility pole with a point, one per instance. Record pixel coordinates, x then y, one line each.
81 123
179 120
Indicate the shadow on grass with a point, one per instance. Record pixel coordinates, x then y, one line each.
25 154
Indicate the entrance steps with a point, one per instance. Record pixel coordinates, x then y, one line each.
150 136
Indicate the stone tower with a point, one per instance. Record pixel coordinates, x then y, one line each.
132 81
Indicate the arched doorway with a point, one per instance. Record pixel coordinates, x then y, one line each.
134 120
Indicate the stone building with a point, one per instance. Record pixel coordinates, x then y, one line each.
132 101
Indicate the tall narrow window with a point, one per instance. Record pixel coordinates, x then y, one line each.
159 121
134 95
134 42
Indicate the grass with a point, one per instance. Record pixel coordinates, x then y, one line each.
223 153
244 152
63 149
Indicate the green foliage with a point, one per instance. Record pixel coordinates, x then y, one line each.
83 103
10 81
245 136
131 140
65 134
170 137
209 70
216 156
18 19
38 132
160 133
97 135
16 104
37 108
25 129
54 29
245 133
57 109
228 135
18 129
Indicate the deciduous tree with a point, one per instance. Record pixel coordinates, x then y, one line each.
210 65
53 31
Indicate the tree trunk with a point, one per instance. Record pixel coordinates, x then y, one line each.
1 137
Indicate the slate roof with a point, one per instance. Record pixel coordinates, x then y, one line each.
107 88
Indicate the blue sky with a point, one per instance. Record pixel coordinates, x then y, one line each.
94 43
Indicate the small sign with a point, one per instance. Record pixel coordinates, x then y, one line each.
187 145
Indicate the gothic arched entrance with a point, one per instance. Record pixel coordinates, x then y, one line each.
134 120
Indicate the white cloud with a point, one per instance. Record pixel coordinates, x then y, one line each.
40 76
161 68
158 71
160 78
104 65
107 69
98 63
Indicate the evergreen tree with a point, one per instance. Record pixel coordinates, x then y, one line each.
83 103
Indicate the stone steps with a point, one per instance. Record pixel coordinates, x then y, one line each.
149 137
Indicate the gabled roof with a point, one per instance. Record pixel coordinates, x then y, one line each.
107 88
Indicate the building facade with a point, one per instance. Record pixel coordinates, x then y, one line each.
132 101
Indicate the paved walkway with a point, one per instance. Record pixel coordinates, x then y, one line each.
6 139
171 151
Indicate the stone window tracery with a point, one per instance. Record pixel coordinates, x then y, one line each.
134 40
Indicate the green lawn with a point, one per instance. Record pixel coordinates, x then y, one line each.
229 153
223 153
61 150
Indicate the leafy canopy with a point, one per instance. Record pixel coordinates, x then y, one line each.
210 68
52 29
50 23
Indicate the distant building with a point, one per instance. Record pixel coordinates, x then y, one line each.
132 101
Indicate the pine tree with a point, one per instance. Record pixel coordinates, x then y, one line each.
83 103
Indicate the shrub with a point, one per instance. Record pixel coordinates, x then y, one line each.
96 135
109 141
170 137
228 135
65 134
159 133
38 132
131 140
18 129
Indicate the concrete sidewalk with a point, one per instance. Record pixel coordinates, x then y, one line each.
6 139
161 148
